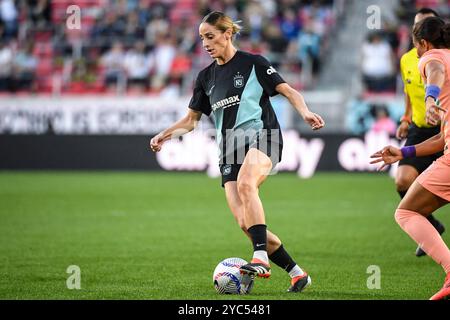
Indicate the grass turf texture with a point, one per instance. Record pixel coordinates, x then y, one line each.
160 236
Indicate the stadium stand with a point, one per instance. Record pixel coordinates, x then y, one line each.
293 34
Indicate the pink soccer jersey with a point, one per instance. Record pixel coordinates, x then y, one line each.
443 56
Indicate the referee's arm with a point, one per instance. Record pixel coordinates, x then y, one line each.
403 128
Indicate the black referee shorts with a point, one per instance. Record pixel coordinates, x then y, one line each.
417 135
273 148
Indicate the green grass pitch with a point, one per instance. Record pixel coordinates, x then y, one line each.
160 235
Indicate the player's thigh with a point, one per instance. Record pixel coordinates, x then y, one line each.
420 200
406 174
255 168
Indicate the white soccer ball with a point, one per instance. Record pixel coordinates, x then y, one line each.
228 280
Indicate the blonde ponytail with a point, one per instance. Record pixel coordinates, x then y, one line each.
222 22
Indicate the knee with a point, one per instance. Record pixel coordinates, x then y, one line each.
398 216
402 216
403 183
245 188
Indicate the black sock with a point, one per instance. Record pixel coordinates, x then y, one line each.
282 259
402 193
433 221
258 232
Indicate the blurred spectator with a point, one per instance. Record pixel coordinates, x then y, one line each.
113 63
137 64
159 9
2 31
133 30
9 17
188 40
107 27
155 28
24 68
269 6
365 113
377 64
389 33
320 17
144 13
39 12
309 51
255 15
6 66
181 64
231 8
358 117
382 122
172 87
163 53
289 25
277 44
284 5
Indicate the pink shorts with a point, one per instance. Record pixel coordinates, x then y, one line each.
436 178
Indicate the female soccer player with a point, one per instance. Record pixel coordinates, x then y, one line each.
236 89
413 125
431 190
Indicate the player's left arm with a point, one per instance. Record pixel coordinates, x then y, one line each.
435 78
298 102
390 154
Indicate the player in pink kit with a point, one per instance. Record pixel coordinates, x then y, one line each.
431 190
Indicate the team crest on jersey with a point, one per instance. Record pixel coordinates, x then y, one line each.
226 169
238 80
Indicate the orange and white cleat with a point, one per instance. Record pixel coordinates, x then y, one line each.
444 293
256 268
300 283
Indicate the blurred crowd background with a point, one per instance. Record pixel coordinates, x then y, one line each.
152 47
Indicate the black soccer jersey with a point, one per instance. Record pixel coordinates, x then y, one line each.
237 93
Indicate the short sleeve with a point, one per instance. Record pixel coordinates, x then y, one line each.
425 59
199 100
267 75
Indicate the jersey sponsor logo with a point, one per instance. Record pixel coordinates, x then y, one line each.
238 80
271 70
225 103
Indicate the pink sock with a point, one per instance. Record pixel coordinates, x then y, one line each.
426 236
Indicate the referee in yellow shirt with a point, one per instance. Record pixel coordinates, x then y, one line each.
413 125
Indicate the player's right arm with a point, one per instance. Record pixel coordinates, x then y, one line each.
402 130
179 128
390 154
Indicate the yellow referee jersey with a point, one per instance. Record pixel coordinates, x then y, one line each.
414 86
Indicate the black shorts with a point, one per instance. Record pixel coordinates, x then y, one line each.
417 135
273 148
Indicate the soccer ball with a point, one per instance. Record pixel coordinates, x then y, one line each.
228 280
